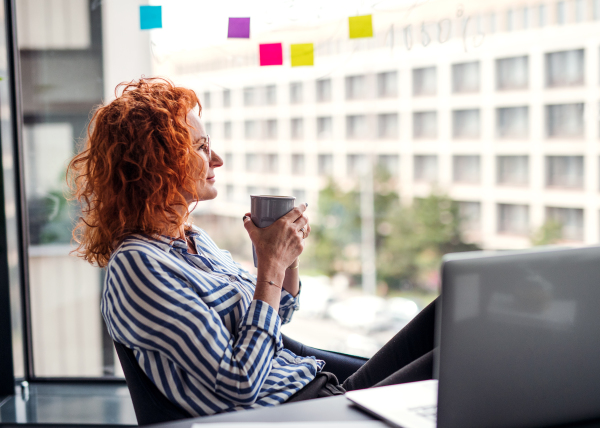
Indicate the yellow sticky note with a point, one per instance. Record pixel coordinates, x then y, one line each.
303 54
360 26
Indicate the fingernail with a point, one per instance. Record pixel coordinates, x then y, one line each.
306 203
244 218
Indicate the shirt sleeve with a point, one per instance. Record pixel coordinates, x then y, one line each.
288 305
153 307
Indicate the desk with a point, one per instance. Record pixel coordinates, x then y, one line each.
322 409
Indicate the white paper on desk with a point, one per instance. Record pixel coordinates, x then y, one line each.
312 424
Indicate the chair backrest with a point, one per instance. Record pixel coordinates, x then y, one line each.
150 405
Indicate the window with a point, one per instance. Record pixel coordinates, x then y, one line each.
465 77
425 168
387 125
355 164
425 125
466 169
253 162
325 164
270 129
465 124
470 214
249 96
579 10
273 191
271 163
252 190
542 16
227 130
227 98
355 87
298 164
510 20
323 90
513 219
296 92
324 127
230 192
389 163
571 220
564 172
512 170
596 9
564 120
525 17
512 122
387 84
300 195
565 68
561 13
208 127
297 128
356 126
270 95
250 129
512 73
424 81
228 162
206 100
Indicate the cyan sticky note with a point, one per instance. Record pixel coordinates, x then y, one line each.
271 54
150 17
239 28
303 54
360 26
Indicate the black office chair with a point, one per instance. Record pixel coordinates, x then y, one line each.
150 405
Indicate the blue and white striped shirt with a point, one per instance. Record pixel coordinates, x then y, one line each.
195 329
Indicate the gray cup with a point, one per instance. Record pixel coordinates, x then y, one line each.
266 209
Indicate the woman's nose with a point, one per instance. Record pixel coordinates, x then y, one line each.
215 160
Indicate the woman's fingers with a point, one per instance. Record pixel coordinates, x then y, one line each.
295 213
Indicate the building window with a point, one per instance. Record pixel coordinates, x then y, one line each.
512 73
297 128
270 129
525 18
325 164
253 190
387 125
596 9
466 169
227 130
424 81
425 125
542 16
571 220
252 162
579 10
230 192
510 20
298 164
465 77
226 98
273 191
561 13
228 163
296 92
250 129
465 124
208 127
564 120
565 68
356 126
249 96
324 127
323 90
272 163
387 84
425 168
206 99
270 95
470 215
355 87
512 170
513 219
355 164
512 122
300 195
564 172
390 164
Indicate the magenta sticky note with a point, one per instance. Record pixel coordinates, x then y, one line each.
271 54
239 28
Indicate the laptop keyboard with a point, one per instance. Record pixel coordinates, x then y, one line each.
427 412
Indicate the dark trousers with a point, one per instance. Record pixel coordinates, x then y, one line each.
407 357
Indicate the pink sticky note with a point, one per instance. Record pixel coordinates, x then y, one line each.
239 28
271 54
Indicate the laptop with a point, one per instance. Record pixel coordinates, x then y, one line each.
518 345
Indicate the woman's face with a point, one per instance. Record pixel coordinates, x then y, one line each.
205 187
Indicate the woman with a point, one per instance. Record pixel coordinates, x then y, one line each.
204 330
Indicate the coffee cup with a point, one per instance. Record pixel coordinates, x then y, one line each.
266 209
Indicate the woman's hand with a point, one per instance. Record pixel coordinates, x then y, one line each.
279 245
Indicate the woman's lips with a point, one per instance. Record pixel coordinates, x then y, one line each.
210 178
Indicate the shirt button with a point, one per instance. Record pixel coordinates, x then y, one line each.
298 360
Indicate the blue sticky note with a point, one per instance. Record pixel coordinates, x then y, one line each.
150 17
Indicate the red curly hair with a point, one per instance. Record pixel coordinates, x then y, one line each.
135 168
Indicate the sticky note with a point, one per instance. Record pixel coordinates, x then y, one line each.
360 26
303 54
271 54
239 28
150 17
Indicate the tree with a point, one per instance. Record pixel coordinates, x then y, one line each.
549 233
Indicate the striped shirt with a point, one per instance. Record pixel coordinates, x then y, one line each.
195 329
